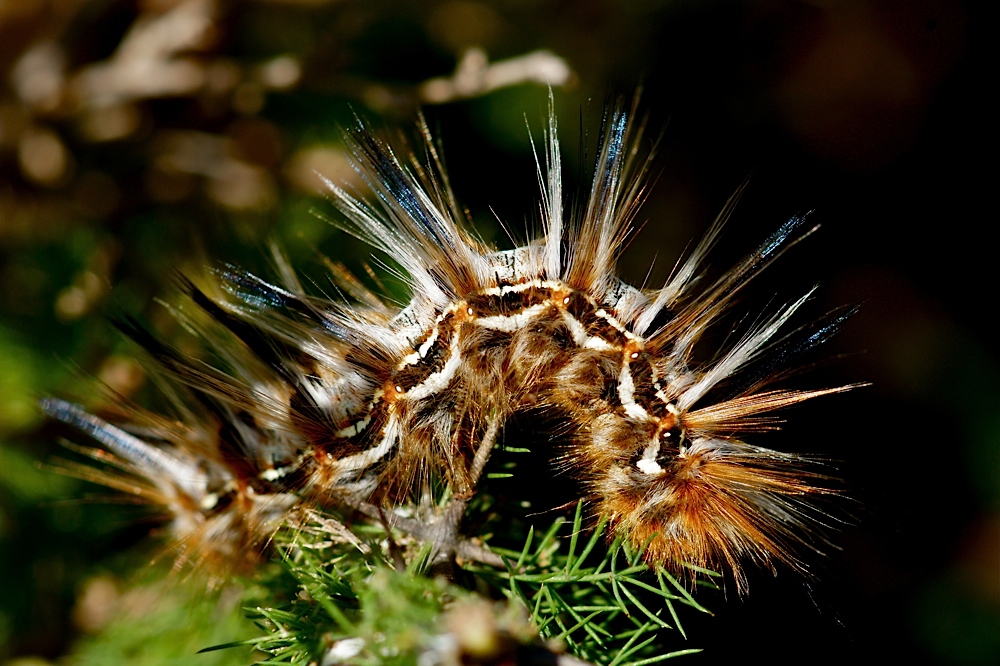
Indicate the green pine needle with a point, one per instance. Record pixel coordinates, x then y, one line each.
348 602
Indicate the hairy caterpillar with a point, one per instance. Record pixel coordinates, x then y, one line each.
363 405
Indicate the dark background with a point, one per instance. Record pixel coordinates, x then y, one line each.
872 114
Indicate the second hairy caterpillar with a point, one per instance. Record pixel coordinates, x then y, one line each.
365 405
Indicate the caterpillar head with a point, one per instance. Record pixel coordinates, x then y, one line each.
674 477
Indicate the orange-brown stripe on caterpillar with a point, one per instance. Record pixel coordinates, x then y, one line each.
341 405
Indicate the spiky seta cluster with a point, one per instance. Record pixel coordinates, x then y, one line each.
342 405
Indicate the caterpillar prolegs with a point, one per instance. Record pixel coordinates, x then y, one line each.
343 404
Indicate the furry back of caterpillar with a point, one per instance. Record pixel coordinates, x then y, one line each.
363 407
